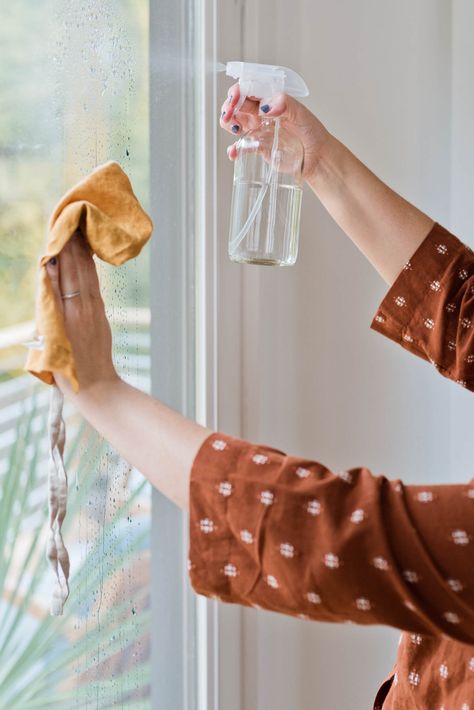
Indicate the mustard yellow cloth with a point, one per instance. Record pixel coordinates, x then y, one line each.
104 208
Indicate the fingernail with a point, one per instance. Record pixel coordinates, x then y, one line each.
265 108
231 96
235 128
53 261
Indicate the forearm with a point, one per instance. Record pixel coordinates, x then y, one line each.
158 441
386 228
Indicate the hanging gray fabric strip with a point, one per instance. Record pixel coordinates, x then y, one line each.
57 481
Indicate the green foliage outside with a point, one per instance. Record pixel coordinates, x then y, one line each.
96 654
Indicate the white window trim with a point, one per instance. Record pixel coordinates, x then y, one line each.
195 331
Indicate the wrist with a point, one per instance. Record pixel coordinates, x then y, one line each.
97 393
327 165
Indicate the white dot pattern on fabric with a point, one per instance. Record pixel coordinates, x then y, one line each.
346 476
466 323
225 488
272 581
452 345
313 598
442 249
451 617
230 570
363 604
407 266
460 537
451 307
416 639
380 563
287 550
206 525
435 285
414 678
424 496
357 516
313 507
410 576
302 472
400 301
260 459
246 537
332 561
455 585
443 671
219 445
380 318
266 497
463 274
470 359
429 323
407 338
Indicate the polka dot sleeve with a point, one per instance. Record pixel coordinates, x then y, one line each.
429 310
286 534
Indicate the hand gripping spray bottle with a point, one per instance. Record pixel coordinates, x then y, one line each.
267 191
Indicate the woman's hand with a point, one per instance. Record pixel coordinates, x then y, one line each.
86 324
300 121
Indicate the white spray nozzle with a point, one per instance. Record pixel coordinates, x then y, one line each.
265 80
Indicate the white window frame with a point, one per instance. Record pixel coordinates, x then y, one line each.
195 329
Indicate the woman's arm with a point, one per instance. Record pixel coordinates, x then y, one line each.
287 534
161 443
384 226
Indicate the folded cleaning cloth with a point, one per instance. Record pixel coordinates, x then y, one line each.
105 210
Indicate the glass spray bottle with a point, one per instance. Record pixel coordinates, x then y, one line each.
268 183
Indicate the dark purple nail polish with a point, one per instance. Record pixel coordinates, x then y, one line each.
265 108
53 261
235 128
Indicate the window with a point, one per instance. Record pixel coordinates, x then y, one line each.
74 84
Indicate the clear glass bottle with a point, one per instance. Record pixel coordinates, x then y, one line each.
266 197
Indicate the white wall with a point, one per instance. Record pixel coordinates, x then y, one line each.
462 212
315 380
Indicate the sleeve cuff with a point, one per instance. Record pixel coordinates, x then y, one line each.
405 314
220 567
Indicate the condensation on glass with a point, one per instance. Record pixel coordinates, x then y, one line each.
74 83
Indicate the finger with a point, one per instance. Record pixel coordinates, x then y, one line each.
243 123
227 111
86 269
68 275
232 151
52 269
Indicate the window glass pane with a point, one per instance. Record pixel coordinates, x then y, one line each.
74 87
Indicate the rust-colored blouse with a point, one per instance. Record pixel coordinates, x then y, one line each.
284 533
